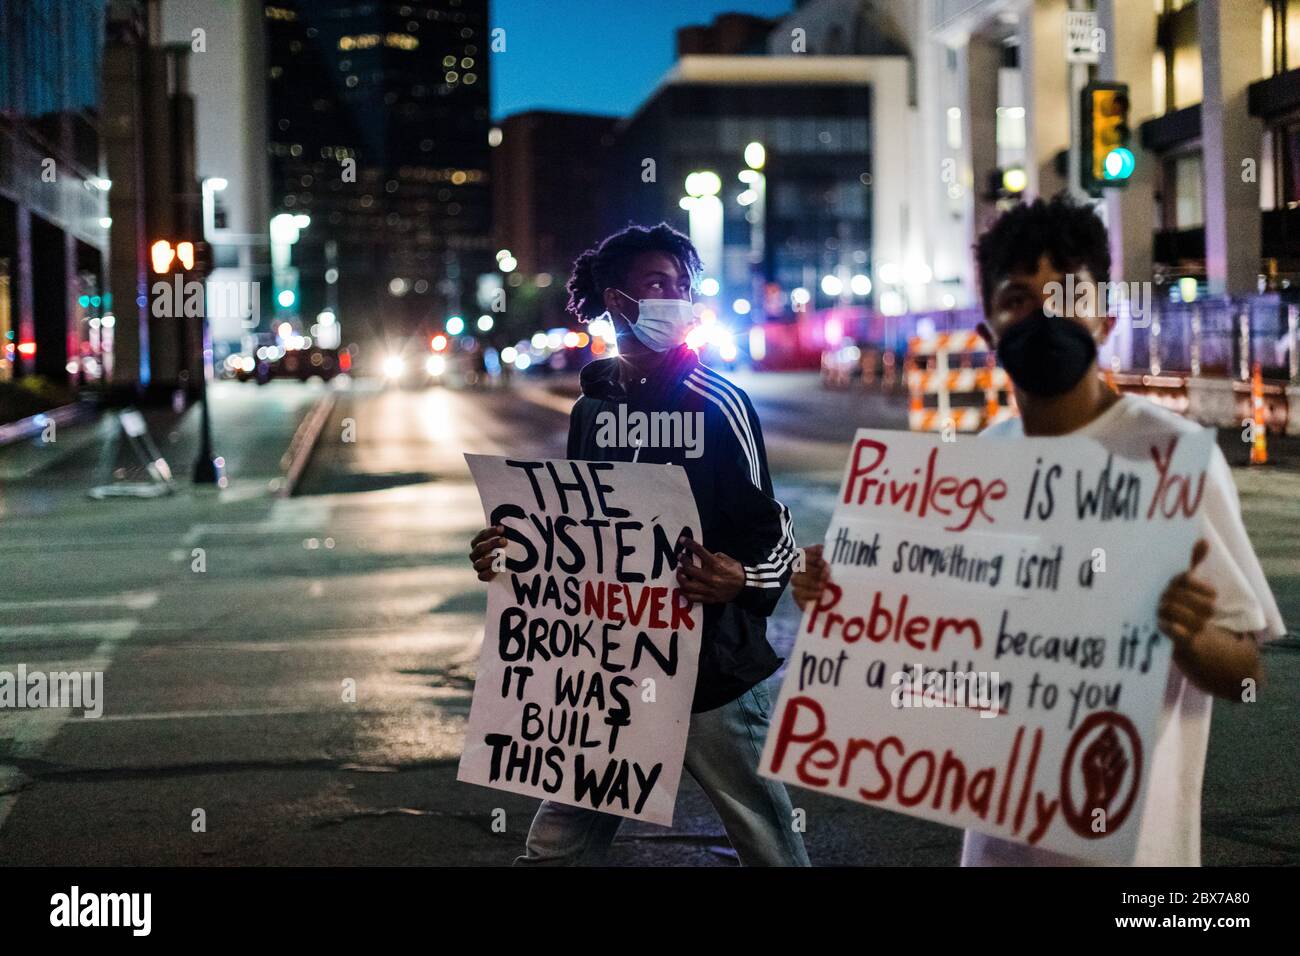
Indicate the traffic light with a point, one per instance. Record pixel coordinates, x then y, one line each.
1108 159
184 256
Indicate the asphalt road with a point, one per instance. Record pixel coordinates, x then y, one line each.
294 673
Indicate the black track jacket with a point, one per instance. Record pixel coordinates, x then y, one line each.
733 494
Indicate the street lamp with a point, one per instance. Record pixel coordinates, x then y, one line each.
755 199
705 210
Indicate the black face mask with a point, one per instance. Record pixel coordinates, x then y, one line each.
1046 355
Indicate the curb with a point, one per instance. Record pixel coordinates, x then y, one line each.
303 443
33 425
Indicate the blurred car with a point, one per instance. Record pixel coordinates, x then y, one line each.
300 364
424 363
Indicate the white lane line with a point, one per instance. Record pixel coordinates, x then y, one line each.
108 632
30 731
277 529
130 600
287 516
217 714
254 712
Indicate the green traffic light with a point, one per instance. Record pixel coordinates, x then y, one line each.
1119 163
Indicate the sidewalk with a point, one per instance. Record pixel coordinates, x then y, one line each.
251 429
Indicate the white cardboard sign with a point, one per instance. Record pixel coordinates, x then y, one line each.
987 654
589 657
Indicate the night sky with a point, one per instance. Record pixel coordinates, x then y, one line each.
594 56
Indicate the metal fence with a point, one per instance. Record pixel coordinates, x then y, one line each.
1213 337
1221 337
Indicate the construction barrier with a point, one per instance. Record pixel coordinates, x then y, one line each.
983 391
1259 429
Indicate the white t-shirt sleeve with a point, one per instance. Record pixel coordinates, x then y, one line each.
1243 599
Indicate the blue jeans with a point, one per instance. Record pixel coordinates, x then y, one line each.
723 749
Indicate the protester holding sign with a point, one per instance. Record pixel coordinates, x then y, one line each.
1216 611
655 403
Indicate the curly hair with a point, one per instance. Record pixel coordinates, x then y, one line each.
606 265
1069 233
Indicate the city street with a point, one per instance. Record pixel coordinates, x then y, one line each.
232 626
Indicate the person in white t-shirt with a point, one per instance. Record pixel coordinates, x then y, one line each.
1217 611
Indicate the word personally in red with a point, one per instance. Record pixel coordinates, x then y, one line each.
1007 795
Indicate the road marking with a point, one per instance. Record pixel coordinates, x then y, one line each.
347 710
288 516
131 600
30 731
109 632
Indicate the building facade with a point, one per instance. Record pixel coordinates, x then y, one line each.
378 116
1214 110
227 70
800 190
148 129
54 227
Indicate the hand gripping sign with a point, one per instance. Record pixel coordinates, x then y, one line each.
986 654
589 656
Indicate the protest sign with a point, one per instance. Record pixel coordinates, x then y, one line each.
986 654
587 672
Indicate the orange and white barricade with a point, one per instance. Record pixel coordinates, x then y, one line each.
984 389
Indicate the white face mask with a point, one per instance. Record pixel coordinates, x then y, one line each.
661 323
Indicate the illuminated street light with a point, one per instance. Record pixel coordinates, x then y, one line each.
755 155
704 183
917 273
705 210
1015 180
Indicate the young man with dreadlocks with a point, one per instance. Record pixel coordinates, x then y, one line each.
643 280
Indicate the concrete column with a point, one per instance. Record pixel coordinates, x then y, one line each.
72 291
122 139
166 350
24 302
1046 77
1229 135
1130 32
980 63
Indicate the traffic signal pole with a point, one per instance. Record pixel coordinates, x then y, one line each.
207 466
